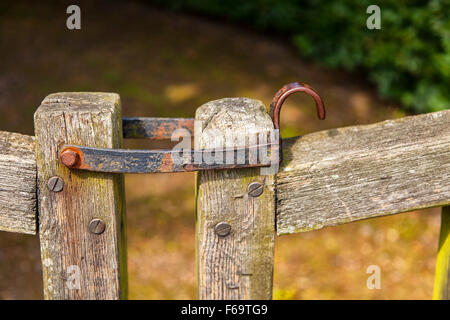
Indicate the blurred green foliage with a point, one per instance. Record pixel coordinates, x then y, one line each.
408 59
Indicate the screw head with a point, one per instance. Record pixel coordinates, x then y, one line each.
97 226
69 158
255 189
222 229
55 184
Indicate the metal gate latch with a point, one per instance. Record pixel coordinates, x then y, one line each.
152 161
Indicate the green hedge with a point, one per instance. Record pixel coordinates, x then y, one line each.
408 59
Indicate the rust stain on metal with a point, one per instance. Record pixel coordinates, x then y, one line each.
71 157
150 161
155 128
166 163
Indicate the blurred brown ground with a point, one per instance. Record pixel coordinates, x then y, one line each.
168 64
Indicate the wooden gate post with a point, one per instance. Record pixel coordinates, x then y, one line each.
235 226
442 277
80 259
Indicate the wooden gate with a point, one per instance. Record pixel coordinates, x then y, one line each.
326 178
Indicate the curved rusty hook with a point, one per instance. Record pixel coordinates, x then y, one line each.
286 91
282 94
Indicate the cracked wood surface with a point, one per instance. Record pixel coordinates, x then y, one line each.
347 174
17 183
240 265
78 264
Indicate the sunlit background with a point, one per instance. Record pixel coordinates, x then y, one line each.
165 60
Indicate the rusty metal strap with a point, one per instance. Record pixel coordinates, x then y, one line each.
155 128
153 161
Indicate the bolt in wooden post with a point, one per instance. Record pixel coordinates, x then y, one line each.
79 264
238 263
442 277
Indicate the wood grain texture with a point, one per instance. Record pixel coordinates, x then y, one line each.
342 175
17 183
240 265
442 276
67 246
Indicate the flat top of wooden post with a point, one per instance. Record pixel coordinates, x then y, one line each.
231 117
79 101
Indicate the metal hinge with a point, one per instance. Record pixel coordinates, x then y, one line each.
152 161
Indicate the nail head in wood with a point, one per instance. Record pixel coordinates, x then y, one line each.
222 229
97 226
255 189
55 184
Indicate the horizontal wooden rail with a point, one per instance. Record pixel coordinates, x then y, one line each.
17 183
327 178
343 175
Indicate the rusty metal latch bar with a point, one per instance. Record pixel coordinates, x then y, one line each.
152 161
155 128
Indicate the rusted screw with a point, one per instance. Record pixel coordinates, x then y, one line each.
97 226
255 189
69 158
55 184
222 229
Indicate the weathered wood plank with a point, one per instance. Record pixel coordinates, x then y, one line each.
442 276
17 183
238 265
342 175
77 263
